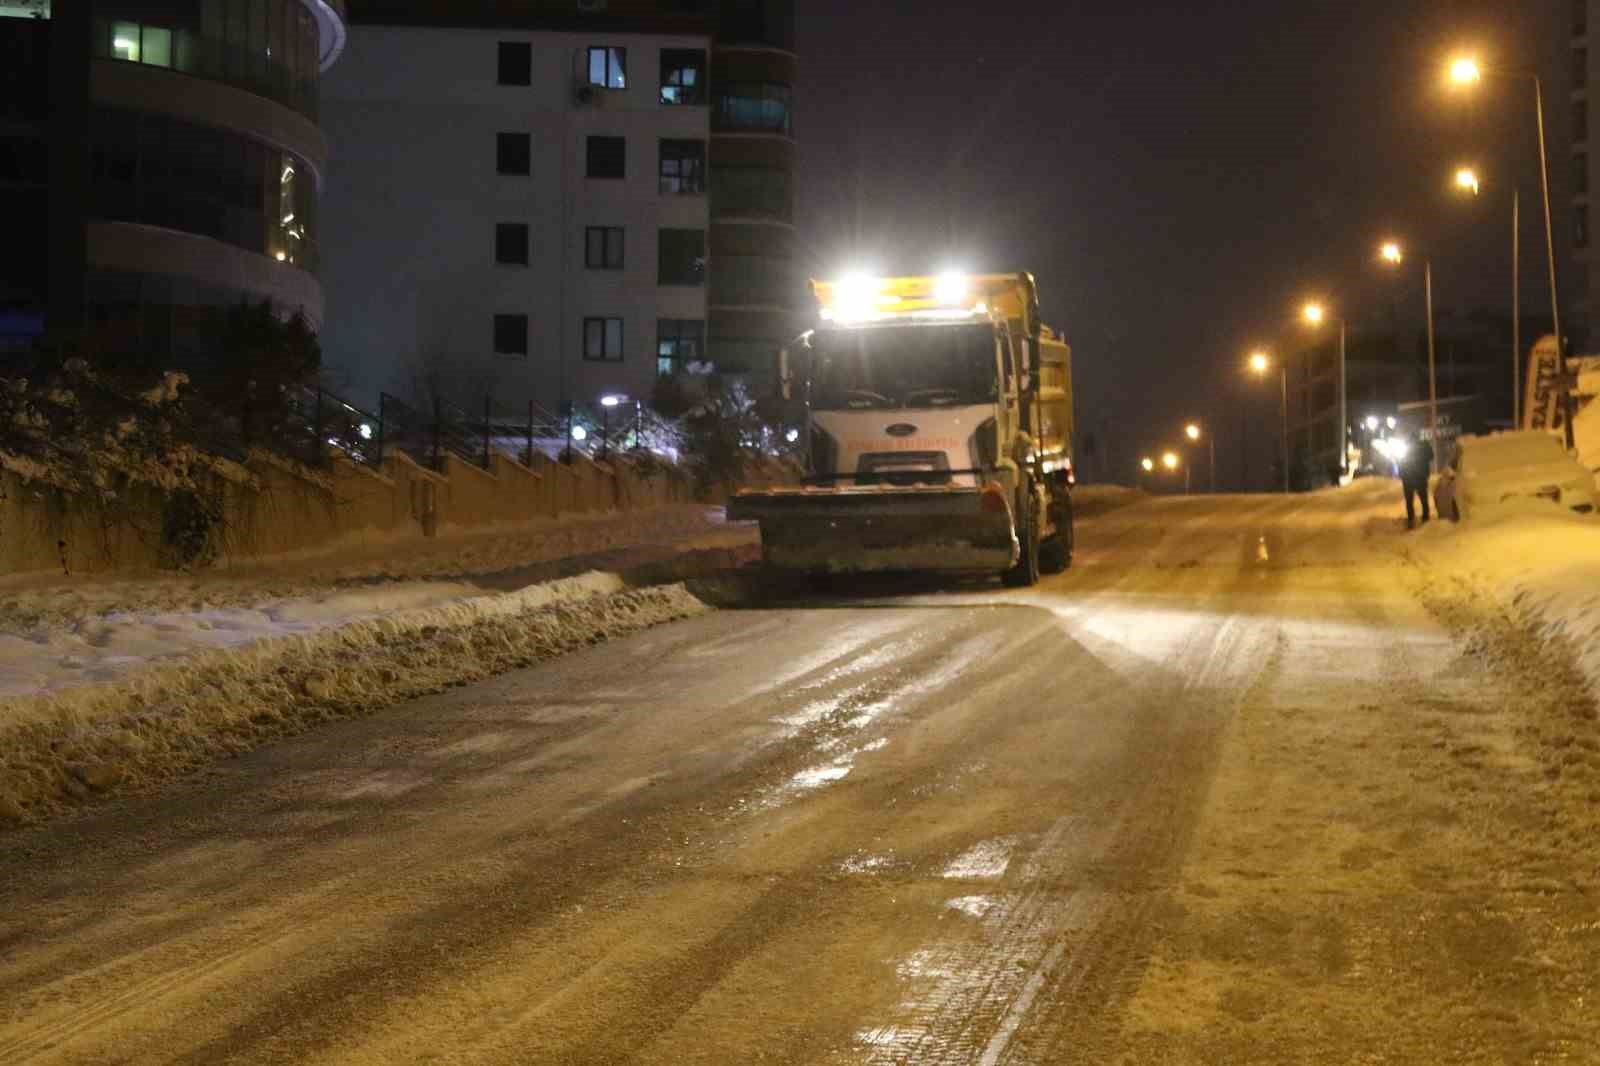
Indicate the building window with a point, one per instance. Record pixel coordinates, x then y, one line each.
511 335
607 157
757 106
680 344
602 247
514 153
511 243
1580 225
160 171
602 340
683 76
137 43
682 257
516 63
751 192
683 167
608 68
267 47
1580 174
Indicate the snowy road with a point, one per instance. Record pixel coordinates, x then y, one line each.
1225 792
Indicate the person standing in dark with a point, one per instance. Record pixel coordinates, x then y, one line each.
1415 466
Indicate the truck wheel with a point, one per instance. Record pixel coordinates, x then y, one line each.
1055 554
1026 572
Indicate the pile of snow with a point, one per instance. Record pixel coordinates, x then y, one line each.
59 749
1586 434
1098 499
28 601
47 656
1543 562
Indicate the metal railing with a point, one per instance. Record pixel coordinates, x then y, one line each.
429 435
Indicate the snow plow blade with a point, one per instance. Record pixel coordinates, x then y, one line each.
870 530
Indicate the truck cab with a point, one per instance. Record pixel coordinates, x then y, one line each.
936 418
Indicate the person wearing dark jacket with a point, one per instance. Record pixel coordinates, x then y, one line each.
1415 466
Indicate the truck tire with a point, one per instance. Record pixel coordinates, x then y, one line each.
1026 572
1055 554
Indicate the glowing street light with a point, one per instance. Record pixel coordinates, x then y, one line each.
1465 70
1192 431
1314 313
1260 362
1148 463
1467 178
1170 460
1391 252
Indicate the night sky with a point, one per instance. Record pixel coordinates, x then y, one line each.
1178 174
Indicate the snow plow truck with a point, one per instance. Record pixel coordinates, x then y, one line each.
935 415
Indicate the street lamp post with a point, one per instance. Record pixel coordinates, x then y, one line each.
1193 432
1170 460
606 404
1260 363
1465 72
1467 180
1390 252
1314 315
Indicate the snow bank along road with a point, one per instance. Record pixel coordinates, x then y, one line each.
1226 792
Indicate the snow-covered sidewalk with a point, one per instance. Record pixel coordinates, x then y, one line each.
1543 564
59 632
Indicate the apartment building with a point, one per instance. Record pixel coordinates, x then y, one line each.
179 144
559 201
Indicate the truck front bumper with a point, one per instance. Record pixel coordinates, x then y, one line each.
860 530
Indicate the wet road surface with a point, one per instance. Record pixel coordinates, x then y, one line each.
959 825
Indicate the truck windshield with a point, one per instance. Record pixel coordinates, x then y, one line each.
903 366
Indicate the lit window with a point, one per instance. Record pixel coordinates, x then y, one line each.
125 41
608 68
759 106
680 344
683 76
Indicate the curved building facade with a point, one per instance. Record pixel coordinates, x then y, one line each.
186 164
752 301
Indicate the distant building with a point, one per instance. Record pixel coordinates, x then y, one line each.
557 201
161 159
1388 373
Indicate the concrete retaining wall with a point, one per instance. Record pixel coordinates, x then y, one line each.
279 507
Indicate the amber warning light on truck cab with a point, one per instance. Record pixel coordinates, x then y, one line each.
865 298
